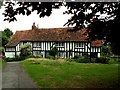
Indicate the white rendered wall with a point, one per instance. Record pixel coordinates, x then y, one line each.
10 54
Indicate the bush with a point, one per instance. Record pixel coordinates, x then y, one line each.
51 57
93 60
9 59
53 52
32 56
81 59
103 60
70 59
17 58
25 50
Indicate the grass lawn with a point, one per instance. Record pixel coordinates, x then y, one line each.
57 74
2 63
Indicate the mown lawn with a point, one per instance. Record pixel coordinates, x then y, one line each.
61 74
2 63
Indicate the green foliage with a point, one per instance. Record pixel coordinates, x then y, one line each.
8 32
25 50
2 50
32 56
85 58
106 50
79 59
17 58
70 59
50 57
82 59
53 52
1 3
5 36
103 60
114 60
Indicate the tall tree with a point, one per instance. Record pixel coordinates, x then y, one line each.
5 36
83 13
8 32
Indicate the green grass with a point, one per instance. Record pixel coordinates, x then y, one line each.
56 74
2 63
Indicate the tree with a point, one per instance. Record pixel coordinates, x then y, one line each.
8 32
106 50
100 28
1 3
5 36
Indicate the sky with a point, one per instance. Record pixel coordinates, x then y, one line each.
56 20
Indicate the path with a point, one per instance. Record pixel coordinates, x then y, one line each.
13 76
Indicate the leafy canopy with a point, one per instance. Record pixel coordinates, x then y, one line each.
5 36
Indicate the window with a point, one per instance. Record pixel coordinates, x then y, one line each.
77 45
36 44
60 44
78 54
10 49
37 53
61 54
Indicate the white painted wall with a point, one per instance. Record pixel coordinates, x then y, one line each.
42 48
10 54
98 54
18 53
18 47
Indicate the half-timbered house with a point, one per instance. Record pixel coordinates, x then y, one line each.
68 42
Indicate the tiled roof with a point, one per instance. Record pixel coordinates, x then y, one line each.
51 34
97 43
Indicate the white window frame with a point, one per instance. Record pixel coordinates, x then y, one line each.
10 49
79 45
37 44
60 44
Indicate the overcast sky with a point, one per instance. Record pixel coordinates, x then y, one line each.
56 20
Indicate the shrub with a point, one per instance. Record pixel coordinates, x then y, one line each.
25 50
103 60
17 58
50 57
70 59
9 59
93 60
53 52
81 59
106 50
32 56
